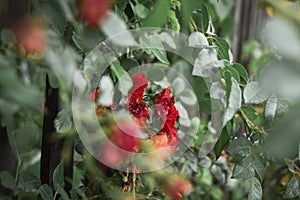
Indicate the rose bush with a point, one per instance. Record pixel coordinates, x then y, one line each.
131 101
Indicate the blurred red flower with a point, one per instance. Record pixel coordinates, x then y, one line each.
177 187
92 12
124 139
30 36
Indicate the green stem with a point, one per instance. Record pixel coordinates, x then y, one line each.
18 170
133 182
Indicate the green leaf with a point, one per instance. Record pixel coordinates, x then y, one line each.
85 38
7 180
129 63
114 26
240 147
254 93
221 143
46 192
154 44
216 170
259 168
141 11
275 108
243 170
198 39
158 15
228 83
63 121
58 176
242 71
201 18
255 192
125 82
207 64
251 113
28 182
293 188
234 101
223 48
234 73
54 13
62 192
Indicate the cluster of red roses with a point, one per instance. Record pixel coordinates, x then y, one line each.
165 110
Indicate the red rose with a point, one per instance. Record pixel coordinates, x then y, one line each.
177 187
135 97
30 36
92 12
165 109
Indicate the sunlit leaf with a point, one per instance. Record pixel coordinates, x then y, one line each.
207 64
116 30
234 102
254 93
63 121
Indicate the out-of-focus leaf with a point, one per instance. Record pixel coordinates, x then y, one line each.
275 108
106 88
158 16
234 101
254 93
141 11
293 188
63 121
222 7
125 82
85 38
63 63
28 182
284 36
12 89
7 180
216 170
54 13
207 64
255 192
114 26
62 192
58 177
198 39
46 192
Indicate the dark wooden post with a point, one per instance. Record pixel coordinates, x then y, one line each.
249 21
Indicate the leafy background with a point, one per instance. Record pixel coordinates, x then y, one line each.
257 153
